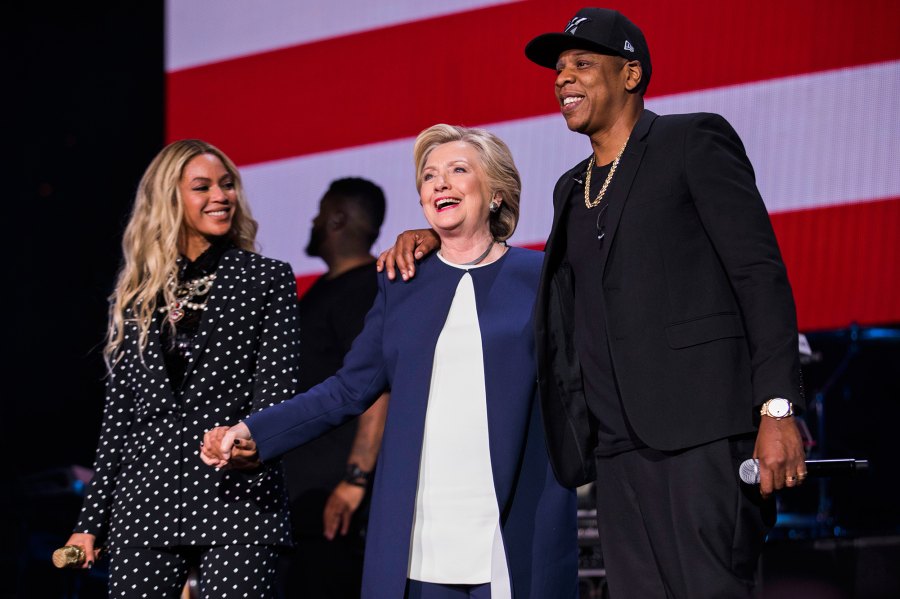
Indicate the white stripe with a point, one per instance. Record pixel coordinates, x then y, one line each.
815 140
204 31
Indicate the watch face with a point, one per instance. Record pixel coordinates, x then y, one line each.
779 407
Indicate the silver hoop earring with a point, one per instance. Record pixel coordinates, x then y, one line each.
493 206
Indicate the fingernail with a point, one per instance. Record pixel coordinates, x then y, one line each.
90 564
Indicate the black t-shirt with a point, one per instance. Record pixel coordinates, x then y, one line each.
331 316
583 227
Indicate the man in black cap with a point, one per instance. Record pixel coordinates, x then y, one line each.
665 326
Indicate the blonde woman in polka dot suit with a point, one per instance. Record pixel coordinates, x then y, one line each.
203 332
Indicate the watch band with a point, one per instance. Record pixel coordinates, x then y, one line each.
356 475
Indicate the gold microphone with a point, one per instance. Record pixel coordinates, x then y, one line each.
70 556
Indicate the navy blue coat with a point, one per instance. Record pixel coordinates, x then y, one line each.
396 351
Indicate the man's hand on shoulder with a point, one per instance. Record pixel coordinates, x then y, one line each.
410 246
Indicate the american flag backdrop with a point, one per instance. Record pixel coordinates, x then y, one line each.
300 92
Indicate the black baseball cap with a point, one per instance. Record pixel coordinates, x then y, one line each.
599 30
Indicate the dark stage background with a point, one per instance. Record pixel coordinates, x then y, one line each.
86 92
86 109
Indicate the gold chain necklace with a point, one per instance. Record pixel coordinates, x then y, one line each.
612 171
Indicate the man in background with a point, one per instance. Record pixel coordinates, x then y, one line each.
328 479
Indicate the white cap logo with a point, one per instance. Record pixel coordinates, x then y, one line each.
628 46
574 23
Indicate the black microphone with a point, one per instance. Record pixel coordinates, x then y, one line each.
749 470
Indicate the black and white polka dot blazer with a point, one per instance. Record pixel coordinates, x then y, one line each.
150 487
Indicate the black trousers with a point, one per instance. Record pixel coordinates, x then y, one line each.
227 572
681 524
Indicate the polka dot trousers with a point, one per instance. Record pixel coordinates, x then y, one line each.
226 572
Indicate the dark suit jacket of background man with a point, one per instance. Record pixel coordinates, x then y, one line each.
700 314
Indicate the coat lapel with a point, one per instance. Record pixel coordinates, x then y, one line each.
154 357
620 186
219 296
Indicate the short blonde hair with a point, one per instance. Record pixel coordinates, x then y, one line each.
496 160
150 243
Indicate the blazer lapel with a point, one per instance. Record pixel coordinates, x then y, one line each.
219 297
620 187
154 355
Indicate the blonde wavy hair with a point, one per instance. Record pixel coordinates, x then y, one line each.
496 161
150 245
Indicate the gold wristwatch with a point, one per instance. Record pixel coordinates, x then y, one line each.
777 408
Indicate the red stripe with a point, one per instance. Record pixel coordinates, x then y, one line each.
304 282
843 262
470 68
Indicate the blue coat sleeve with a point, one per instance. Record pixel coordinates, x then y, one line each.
329 404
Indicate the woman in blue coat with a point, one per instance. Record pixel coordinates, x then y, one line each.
465 503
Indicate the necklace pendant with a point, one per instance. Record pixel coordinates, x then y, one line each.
176 313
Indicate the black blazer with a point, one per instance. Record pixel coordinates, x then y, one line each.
700 315
150 487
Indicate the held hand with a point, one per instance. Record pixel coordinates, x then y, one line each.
340 507
210 451
244 455
409 247
218 444
86 542
779 450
